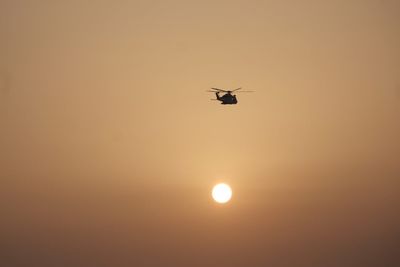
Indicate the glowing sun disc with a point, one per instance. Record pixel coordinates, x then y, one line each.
221 193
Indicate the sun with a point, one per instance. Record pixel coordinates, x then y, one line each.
221 193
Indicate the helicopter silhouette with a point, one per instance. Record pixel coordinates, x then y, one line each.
228 98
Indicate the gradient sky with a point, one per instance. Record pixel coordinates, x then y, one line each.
109 144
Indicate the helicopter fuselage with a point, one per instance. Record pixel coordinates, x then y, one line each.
227 99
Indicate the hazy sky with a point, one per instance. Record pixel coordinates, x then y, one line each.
109 144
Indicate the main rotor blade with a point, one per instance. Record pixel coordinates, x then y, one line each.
214 91
245 92
221 90
236 89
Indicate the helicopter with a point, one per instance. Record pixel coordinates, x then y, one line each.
228 98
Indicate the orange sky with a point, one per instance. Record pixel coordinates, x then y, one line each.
110 144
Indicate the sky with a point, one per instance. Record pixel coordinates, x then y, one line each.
109 144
